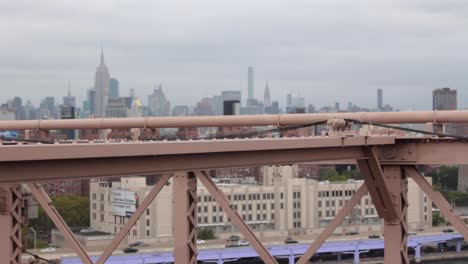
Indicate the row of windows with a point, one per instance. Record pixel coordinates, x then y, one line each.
242 197
336 193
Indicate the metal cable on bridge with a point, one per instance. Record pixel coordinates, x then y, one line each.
442 135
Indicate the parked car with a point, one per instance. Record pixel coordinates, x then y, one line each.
200 241
448 230
130 250
49 249
374 236
239 243
136 244
233 238
289 240
412 233
351 233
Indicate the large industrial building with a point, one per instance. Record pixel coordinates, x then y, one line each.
280 206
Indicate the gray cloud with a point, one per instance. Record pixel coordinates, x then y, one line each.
332 50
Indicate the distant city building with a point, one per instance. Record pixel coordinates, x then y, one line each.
158 104
204 107
250 85
68 112
6 113
114 90
69 100
101 87
295 103
180 110
379 99
119 107
444 99
217 105
231 102
47 108
267 96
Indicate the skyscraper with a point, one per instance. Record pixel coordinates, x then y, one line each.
250 77
379 99
158 104
267 97
444 99
114 88
69 100
101 86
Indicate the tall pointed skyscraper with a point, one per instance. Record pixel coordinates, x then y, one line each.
101 87
266 96
250 87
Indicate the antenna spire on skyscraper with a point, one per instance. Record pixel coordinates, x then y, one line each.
102 52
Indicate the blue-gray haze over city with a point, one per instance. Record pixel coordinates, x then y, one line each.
326 51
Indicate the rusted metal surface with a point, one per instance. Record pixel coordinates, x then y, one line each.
436 197
134 218
458 116
46 204
328 231
185 218
235 218
396 229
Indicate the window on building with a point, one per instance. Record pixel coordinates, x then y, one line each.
319 203
258 217
250 206
206 219
214 219
214 208
258 206
148 211
147 222
272 206
220 218
272 216
264 206
205 209
148 233
243 207
281 205
282 195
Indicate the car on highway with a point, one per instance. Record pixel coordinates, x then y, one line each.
239 243
130 250
412 233
136 244
448 230
49 249
200 241
374 236
289 240
233 238
351 233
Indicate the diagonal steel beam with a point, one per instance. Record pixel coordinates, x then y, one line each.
439 201
46 203
328 231
374 179
134 218
224 202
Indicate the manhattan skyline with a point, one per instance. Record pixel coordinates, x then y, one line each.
327 52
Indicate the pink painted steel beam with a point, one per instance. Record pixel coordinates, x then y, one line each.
374 178
458 116
328 231
45 202
185 218
245 230
439 201
37 171
106 150
134 218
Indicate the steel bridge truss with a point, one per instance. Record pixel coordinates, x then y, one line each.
385 162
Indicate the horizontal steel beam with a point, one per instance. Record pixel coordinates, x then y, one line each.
107 150
42 170
457 116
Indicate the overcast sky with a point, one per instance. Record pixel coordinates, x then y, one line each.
326 50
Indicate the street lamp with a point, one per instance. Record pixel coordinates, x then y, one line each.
35 237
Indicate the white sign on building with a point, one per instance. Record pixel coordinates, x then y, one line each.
124 203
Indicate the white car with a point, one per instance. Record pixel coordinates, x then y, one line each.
242 243
49 249
199 241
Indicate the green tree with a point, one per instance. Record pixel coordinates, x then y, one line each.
437 220
206 233
446 177
73 209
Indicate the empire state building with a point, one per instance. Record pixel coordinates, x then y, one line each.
101 87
